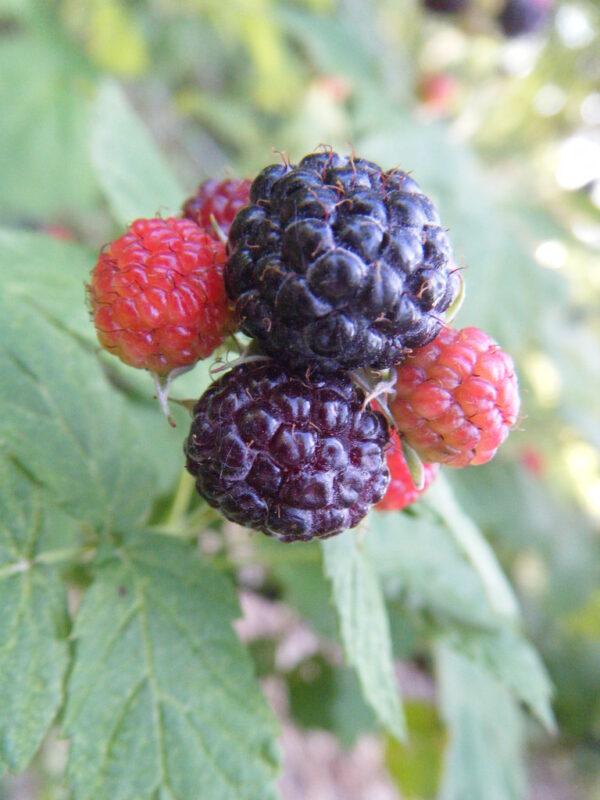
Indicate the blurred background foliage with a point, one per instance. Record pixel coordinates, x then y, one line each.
505 135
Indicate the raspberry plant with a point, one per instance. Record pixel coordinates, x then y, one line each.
137 685
142 672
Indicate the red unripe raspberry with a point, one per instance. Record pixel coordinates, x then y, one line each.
438 91
533 461
402 491
456 398
60 232
158 297
219 199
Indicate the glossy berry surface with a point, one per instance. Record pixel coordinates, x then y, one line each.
338 264
219 199
521 17
292 455
157 295
402 491
456 398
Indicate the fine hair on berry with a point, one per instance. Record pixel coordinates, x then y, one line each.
339 264
295 455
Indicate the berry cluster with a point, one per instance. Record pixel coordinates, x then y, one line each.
341 273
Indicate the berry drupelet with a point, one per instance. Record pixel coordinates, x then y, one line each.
219 199
157 295
338 264
292 455
456 398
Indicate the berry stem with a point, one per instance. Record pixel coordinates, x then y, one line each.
162 387
376 389
225 366
162 395
181 500
221 235
187 527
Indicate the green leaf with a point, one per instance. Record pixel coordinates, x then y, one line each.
304 586
61 419
333 44
50 276
323 696
492 243
130 169
364 626
507 656
419 560
416 766
585 621
484 760
33 624
44 166
474 546
162 702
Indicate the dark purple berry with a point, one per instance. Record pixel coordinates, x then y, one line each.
339 265
293 455
520 17
446 6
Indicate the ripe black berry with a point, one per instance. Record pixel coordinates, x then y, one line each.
520 17
292 455
338 264
446 6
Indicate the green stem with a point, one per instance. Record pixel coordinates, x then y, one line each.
182 526
201 517
181 500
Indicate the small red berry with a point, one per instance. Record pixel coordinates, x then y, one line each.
533 461
219 199
402 491
157 295
438 91
456 398
60 232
